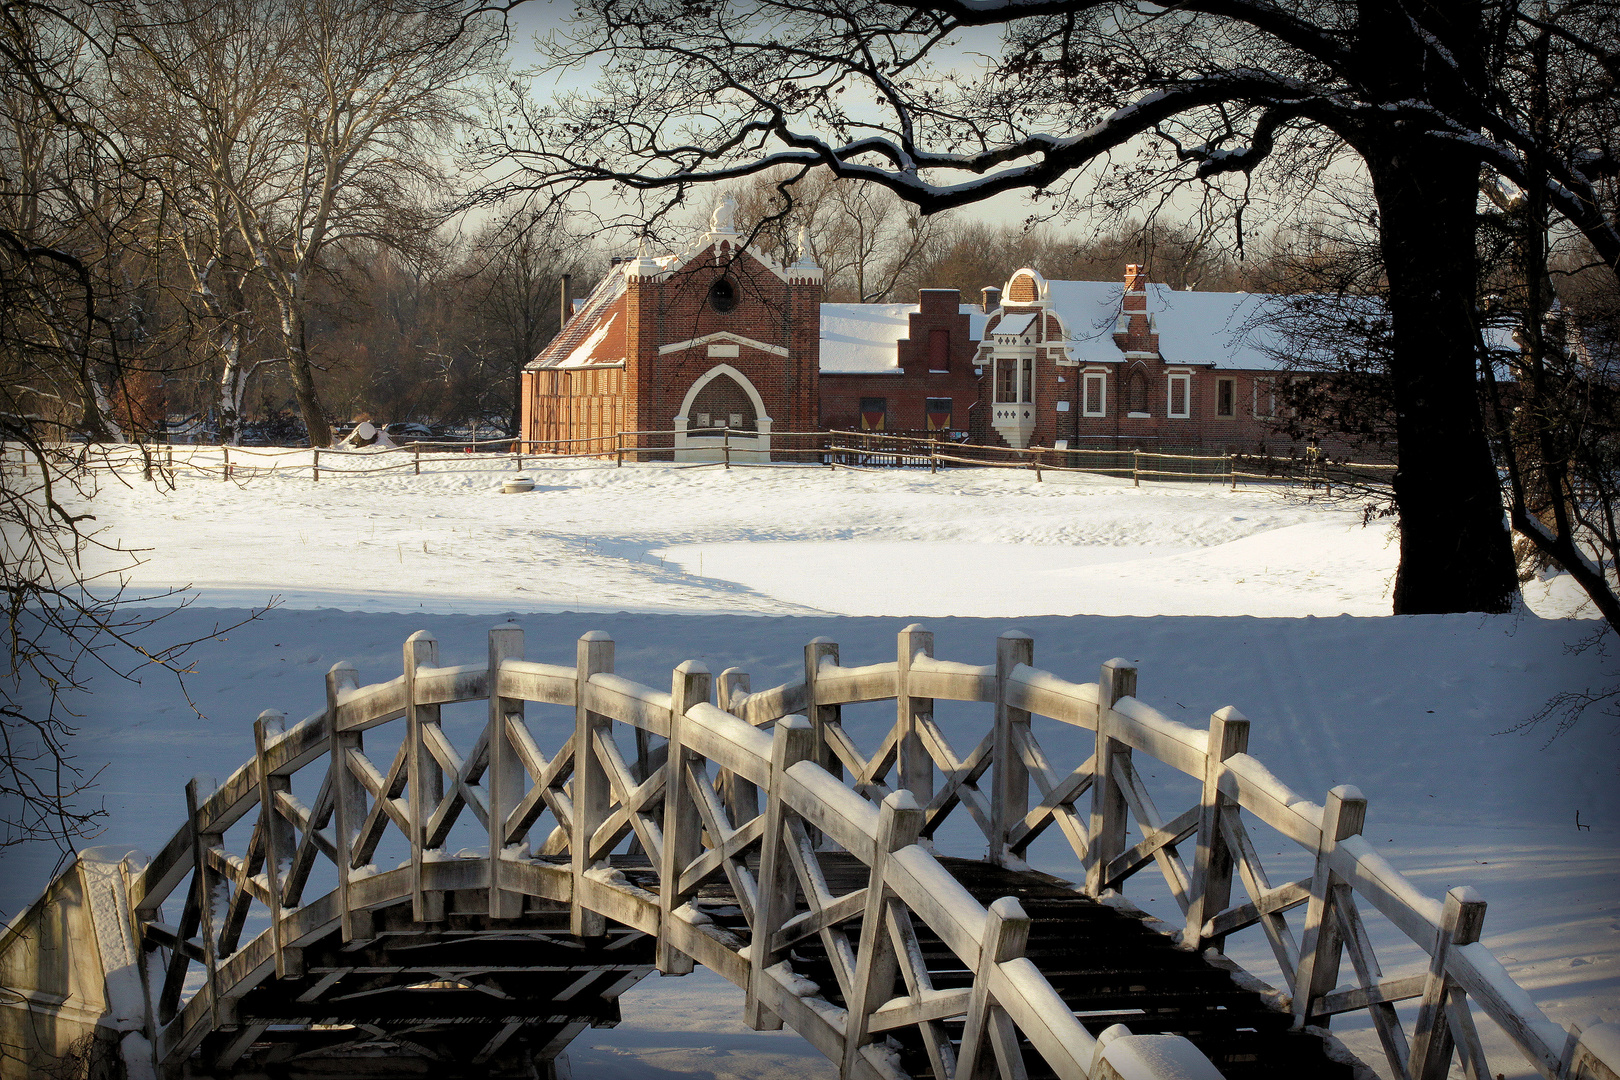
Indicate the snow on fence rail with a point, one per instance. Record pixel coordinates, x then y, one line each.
544 826
739 449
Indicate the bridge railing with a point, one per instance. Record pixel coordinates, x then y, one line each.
705 788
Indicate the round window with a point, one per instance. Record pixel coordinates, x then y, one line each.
723 295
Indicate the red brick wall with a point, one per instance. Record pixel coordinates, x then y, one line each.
907 393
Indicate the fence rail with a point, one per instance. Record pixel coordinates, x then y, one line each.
709 791
741 449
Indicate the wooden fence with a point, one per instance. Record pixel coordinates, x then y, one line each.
738 449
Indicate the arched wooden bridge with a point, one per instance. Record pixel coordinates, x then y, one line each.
751 835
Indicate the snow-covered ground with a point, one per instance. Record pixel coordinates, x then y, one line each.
1271 603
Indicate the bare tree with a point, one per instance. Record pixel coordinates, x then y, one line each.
75 320
1122 103
295 131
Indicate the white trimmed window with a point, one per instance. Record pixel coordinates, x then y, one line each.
1265 397
1178 397
1094 394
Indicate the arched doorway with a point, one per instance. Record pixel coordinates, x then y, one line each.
722 398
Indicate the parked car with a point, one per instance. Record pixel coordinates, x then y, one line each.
410 432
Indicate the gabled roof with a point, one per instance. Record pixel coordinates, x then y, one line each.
862 338
595 334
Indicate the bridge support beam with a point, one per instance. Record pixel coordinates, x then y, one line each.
683 828
506 777
1009 800
1117 680
593 798
900 822
793 742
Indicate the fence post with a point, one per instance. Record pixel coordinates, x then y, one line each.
348 797
816 652
505 776
1009 799
416 457
913 764
740 796
793 742
725 445
1136 468
517 448
1231 471
900 821
1432 1037
1211 887
279 842
683 828
1118 680
1344 812
1006 935
592 795
618 449
426 777
225 473
315 472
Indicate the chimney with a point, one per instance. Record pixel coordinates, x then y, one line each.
992 298
563 305
1135 278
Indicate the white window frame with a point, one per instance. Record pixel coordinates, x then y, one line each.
1101 379
1266 387
1170 396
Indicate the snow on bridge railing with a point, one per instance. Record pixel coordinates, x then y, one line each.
740 788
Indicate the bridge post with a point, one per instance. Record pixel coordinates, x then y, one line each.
592 796
505 783
740 796
793 742
1118 680
207 889
1009 796
816 652
1006 934
683 828
1344 812
900 822
348 797
279 842
1211 888
913 763
1443 1003
426 778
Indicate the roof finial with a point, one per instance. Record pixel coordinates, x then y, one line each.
724 219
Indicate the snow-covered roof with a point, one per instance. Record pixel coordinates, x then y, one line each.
595 333
1219 329
862 338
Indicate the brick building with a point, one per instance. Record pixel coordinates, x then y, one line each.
723 336
719 336
901 367
1094 364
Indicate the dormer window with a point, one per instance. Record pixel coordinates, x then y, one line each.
723 295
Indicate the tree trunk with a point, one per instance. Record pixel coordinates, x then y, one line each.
1455 551
303 380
